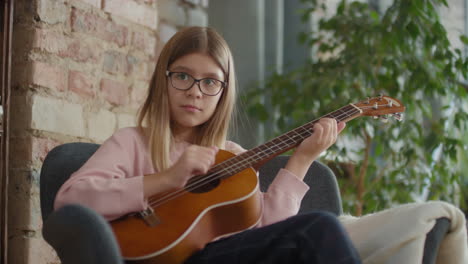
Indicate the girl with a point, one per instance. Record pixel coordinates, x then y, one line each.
181 126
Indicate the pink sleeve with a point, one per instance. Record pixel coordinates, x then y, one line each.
107 182
283 198
284 195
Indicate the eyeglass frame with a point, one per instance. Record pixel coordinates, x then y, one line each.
197 81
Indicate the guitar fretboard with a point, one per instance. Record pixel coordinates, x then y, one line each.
279 144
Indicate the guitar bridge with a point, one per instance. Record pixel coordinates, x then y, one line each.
149 217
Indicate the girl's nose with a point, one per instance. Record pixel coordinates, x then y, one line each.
195 90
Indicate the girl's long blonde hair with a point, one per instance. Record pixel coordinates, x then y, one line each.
154 119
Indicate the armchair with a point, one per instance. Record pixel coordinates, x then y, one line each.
80 235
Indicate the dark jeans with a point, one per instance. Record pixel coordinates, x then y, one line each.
314 238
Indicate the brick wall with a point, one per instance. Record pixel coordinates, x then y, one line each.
81 69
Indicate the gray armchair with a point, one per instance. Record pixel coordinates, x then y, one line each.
80 235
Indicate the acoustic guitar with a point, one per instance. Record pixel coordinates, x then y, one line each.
224 201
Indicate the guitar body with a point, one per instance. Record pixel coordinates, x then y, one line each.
185 224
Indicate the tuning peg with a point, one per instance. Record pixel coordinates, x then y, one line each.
398 116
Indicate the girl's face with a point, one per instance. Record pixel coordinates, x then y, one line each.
190 108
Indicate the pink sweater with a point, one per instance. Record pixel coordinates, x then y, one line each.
111 181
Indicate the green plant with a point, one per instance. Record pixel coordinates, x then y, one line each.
404 53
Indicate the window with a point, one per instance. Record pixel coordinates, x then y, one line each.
263 39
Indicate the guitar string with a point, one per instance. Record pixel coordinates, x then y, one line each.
232 166
219 174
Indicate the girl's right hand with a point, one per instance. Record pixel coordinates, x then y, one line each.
195 160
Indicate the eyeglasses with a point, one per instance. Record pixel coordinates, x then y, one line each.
184 81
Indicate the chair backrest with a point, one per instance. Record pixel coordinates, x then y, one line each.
58 165
65 159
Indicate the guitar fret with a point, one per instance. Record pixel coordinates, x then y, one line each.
270 147
306 131
229 167
285 139
350 112
352 109
298 135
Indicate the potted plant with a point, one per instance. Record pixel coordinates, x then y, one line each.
404 53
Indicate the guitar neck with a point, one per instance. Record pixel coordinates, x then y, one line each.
281 144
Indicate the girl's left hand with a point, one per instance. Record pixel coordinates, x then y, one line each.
325 133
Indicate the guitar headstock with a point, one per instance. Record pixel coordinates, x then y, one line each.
381 106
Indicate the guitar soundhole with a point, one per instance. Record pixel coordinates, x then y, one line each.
199 185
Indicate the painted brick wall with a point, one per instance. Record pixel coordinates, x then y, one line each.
81 69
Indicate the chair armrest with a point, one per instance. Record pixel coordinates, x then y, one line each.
323 194
80 235
433 240
58 165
